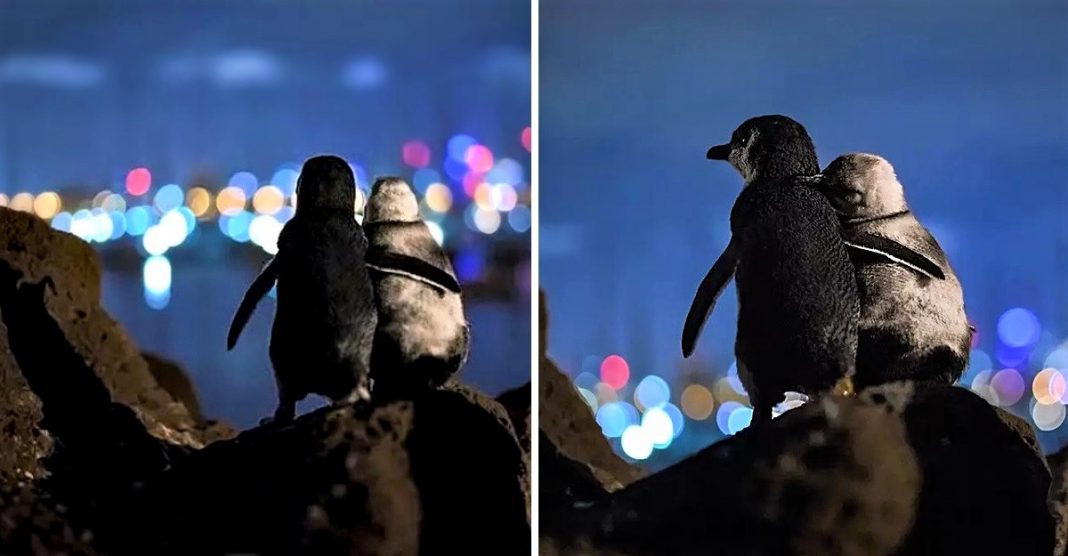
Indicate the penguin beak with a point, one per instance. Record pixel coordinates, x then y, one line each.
719 152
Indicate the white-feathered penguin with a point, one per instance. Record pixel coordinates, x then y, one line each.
912 326
423 335
325 317
799 307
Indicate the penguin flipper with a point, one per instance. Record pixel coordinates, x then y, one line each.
259 288
707 293
894 251
412 267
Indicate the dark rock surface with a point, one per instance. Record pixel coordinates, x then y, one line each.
576 464
901 468
891 471
32 248
102 455
1058 497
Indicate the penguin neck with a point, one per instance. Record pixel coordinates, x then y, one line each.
779 166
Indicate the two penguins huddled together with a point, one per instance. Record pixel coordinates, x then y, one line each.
376 306
839 286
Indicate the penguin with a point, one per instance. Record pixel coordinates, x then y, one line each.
799 304
326 317
913 325
423 336
797 293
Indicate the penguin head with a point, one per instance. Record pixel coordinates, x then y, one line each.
392 200
861 185
326 183
768 148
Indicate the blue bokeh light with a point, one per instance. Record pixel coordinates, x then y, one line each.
1018 327
652 392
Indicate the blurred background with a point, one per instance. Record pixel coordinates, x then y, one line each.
170 135
969 101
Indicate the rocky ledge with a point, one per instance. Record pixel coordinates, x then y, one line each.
106 452
902 468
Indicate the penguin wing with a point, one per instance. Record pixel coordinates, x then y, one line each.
259 288
707 293
894 251
412 267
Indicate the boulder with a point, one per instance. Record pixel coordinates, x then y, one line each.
120 465
893 470
72 268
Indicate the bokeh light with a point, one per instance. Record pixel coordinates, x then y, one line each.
62 221
657 424
138 219
487 221
458 145
438 197
1008 387
113 202
138 181
47 205
652 392
198 200
697 402
268 200
723 414
479 158
636 442
245 181
1048 386
1048 417
739 419
416 154
22 202
612 418
524 138
285 179
231 201
168 198
1018 327
615 371
519 219
157 282
678 422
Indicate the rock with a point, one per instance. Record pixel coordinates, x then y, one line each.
892 470
101 449
517 403
1058 498
430 475
31 247
567 422
176 382
811 482
985 488
32 524
427 475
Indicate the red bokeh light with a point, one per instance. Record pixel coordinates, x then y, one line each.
525 138
615 371
416 154
479 158
138 181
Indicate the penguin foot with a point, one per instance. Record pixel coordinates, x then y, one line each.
844 387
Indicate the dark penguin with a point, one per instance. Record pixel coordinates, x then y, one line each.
797 292
423 335
325 318
912 326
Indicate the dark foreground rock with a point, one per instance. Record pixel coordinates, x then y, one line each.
102 455
576 464
892 471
